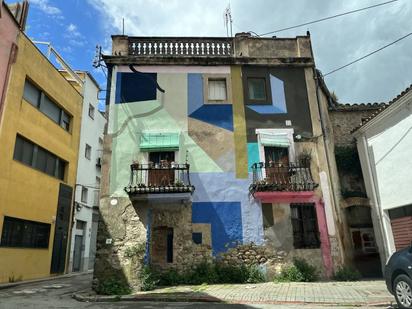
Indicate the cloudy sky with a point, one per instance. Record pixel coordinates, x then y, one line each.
75 26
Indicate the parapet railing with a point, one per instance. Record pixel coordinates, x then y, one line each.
159 178
277 176
180 46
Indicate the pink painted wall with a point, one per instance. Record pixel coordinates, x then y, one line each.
8 37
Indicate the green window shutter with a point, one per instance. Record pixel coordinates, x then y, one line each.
159 141
276 140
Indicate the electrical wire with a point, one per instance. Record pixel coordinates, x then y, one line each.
367 55
326 18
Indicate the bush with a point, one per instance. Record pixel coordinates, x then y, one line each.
202 273
113 286
347 273
171 277
211 273
255 275
300 271
148 279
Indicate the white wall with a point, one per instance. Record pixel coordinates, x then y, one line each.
87 171
385 152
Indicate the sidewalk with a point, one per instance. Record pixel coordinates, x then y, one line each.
361 293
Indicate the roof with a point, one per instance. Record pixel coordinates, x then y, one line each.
350 107
382 108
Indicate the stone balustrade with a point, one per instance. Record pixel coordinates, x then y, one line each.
171 46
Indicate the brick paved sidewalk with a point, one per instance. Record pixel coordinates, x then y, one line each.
359 293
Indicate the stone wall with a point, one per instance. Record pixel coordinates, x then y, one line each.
345 120
121 243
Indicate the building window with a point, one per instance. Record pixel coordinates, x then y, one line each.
197 238
85 191
217 90
256 87
21 233
305 226
39 158
91 111
46 105
88 151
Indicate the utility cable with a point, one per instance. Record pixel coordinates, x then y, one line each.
326 18
367 55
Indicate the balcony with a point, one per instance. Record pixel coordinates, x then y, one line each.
180 46
159 181
282 180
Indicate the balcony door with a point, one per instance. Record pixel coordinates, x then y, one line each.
277 165
161 173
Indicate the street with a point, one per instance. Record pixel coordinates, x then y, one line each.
57 294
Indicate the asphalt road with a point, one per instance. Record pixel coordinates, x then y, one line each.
57 294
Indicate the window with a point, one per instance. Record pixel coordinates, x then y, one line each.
161 176
50 109
217 89
257 88
161 156
81 225
31 94
39 158
40 100
85 192
24 233
91 111
276 154
305 226
88 151
197 238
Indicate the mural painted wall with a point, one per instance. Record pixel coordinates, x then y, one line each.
212 139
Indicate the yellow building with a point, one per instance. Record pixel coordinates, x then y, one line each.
39 138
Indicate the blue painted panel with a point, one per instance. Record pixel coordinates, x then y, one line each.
148 237
278 99
225 187
252 154
225 219
194 92
220 115
135 87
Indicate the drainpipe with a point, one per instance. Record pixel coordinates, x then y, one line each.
322 123
375 199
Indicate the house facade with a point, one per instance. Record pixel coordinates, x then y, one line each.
87 192
214 145
384 144
39 134
363 250
9 30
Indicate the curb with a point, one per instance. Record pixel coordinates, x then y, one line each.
166 297
147 297
18 283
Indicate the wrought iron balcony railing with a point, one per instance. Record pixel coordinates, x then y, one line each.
159 178
276 176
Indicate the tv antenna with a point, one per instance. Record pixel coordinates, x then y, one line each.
227 17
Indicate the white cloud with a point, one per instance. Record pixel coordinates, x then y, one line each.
335 42
74 37
46 7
